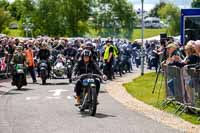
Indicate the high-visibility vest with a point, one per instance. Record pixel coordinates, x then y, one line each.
116 51
106 53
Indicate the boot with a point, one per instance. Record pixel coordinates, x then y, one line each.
78 101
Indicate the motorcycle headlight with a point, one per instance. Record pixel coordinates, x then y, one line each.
85 82
20 71
69 66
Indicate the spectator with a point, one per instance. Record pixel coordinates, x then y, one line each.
197 47
191 55
172 54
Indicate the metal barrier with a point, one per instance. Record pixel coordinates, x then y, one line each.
183 87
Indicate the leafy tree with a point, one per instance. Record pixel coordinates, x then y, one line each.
4 4
62 17
16 9
172 14
4 19
196 3
77 14
112 16
154 11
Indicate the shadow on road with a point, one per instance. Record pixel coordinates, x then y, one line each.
22 89
15 91
2 92
52 84
11 93
103 92
3 86
98 115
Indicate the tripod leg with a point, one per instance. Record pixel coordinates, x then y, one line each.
157 76
160 89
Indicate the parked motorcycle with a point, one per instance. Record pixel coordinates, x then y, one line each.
69 69
138 58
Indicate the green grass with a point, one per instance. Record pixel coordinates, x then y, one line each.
147 33
15 32
141 88
136 34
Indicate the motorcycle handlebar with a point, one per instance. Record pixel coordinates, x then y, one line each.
88 75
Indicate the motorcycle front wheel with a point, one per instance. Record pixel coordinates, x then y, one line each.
19 84
93 106
43 77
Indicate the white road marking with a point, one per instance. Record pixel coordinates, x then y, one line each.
69 97
32 98
57 92
52 97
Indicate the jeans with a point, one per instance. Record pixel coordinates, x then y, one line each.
31 70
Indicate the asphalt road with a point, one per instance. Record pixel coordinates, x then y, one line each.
50 109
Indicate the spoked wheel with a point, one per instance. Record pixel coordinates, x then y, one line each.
43 77
69 76
93 106
43 81
19 86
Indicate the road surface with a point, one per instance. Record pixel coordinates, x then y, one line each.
50 109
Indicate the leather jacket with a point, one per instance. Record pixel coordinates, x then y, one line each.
83 68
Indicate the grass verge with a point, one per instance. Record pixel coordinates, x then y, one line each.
141 88
147 33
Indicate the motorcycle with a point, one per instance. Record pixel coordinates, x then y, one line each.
43 71
138 58
19 76
118 67
69 67
89 94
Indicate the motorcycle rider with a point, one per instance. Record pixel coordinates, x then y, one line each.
70 52
44 54
18 58
83 66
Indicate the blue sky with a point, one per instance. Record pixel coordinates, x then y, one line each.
149 4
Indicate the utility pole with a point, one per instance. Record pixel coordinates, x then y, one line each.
142 38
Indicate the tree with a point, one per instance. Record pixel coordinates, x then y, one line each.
112 16
4 4
4 19
154 11
196 3
171 13
61 17
77 14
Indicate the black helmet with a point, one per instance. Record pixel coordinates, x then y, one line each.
88 45
87 53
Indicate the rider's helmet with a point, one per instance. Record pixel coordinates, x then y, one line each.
44 44
89 45
19 48
86 53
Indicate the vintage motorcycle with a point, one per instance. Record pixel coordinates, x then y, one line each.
89 94
19 76
43 71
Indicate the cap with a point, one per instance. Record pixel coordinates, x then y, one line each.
171 45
